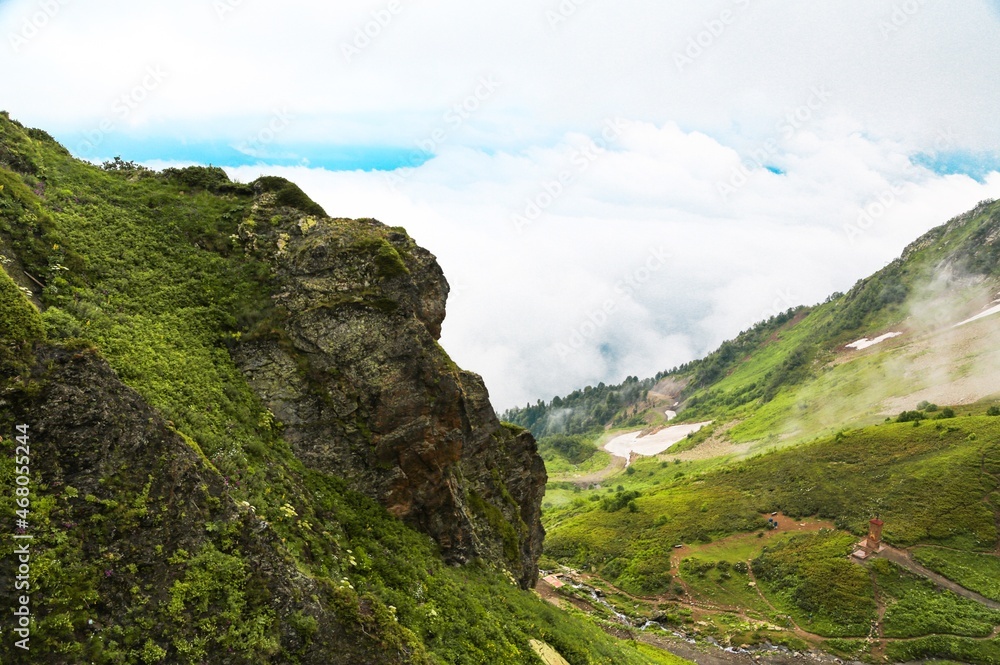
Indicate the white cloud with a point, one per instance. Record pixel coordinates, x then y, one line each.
640 265
838 96
936 70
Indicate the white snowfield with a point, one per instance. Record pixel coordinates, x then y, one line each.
981 315
670 414
651 444
864 342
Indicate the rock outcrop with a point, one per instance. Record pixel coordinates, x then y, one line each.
98 443
351 367
228 395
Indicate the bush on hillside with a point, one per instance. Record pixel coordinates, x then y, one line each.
571 448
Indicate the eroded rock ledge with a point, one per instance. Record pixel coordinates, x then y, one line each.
351 366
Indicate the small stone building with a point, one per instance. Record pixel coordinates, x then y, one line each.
873 543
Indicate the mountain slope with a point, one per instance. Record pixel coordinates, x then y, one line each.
879 403
772 374
246 444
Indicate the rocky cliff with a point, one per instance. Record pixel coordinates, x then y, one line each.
169 549
355 375
247 444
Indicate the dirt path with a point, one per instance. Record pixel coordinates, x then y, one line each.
547 592
879 647
705 654
799 632
616 465
903 558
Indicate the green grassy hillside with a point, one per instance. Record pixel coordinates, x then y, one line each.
147 271
792 377
820 437
935 483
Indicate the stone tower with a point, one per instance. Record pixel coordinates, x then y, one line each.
874 541
871 545
875 534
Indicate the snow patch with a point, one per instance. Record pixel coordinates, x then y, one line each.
651 444
864 342
981 315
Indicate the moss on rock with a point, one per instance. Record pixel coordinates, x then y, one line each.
20 323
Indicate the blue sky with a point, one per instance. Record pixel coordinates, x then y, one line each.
334 157
975 165
612 189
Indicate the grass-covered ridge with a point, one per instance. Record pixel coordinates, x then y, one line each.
20 323
821 435
153 270
779 370
919 479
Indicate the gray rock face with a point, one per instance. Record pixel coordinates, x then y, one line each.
355 374
148 495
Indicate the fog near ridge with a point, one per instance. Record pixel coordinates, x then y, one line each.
628 272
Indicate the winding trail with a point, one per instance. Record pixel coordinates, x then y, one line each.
703 654
798 630
614 466
904 559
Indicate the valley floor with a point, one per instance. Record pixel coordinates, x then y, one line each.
739 485
728 590
596 597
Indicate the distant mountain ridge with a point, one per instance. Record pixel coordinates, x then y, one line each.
883 402
960 257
